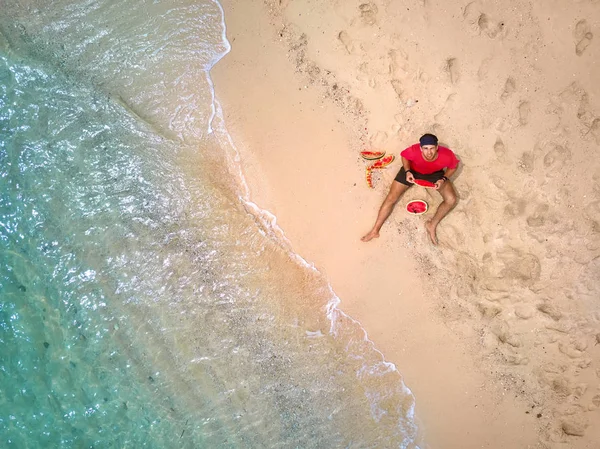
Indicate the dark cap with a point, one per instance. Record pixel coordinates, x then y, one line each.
428 139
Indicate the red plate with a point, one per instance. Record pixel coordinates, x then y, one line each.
416 207
425 183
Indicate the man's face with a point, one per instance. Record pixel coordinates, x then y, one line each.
429 152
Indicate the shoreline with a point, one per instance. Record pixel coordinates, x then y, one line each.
304 168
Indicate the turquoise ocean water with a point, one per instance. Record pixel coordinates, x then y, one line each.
145 301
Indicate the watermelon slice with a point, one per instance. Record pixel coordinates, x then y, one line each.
382 163
424 183
372 155
416 207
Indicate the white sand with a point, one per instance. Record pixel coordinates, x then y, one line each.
497 329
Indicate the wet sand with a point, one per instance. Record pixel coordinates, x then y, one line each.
497 329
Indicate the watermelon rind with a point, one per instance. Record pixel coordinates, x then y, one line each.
372 155
382 163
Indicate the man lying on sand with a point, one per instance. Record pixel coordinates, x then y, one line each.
430 162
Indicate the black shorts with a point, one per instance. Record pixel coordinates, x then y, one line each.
432 177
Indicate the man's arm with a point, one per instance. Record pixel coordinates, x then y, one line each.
450 172
406 164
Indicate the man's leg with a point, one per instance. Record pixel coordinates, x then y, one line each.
396 191
449 196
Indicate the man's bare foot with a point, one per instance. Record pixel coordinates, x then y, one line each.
431 231
370 236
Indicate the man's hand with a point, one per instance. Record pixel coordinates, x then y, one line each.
439 183
409 177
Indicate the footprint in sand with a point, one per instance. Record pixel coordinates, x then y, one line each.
561 386
576 95
397 86
539 215
489 310
365 75
581 388
509 88
516 359
555 159
489 27
510 264
484 68
469 269
592 211
452 237
503 332
348 43
551 310
368 13
583 36
595 402
574 348
526 163
574 426
482 22
524 311
524 111
499 148
452 69
524 267
595 130
444 116
398 62
379 140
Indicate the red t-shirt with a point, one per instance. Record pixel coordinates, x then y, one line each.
445 159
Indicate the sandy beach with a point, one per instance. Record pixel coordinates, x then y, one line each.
497 329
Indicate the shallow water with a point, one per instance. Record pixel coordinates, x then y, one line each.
146 302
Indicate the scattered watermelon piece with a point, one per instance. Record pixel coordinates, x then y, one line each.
416 207
372 155
382 163
369 177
